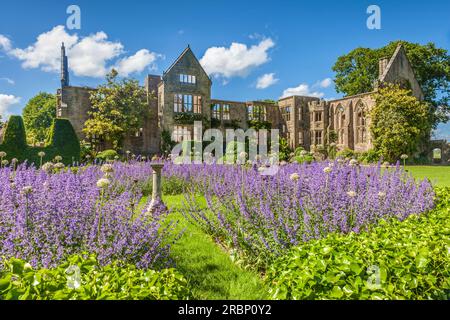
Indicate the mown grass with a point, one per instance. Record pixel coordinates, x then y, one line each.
438 175
211 273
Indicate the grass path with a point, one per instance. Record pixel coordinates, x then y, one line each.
210 272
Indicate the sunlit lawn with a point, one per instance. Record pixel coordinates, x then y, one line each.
438 175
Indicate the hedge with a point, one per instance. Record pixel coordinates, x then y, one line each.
62 141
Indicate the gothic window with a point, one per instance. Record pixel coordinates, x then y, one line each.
216 111
299 113
300 137
187 78
226 112
361 129
187 103
340 124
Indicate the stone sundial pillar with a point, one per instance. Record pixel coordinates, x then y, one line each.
156 190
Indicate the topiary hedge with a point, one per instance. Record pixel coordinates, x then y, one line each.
62 141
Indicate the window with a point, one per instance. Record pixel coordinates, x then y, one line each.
257 113
317 116
187 78
197 104
178 103
216 111
180 133
140 132
300 137
361 133
300 114
187 103
318 137
286 113
226 112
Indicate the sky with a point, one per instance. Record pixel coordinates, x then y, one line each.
251 49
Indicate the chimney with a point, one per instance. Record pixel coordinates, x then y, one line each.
382 66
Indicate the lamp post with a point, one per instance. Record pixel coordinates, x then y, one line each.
156 202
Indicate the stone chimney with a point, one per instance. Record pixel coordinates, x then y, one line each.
382 66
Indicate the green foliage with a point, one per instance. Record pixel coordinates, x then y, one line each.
118 107
303 156
62 141
392 261
187 117
15 137
215 123
258 125
231 124
63 138
346 153
112 282
167 143
107 155
371 156
38 116
400 122
357 71
284 150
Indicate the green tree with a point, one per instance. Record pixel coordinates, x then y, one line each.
400 122
357 71
38 116
118 107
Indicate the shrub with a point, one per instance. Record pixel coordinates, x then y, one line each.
107 155
393 261
371 156
64 139
81 277
15 137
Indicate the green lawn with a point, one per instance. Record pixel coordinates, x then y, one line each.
439 176
210 272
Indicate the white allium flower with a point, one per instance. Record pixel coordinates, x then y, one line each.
41 154
2 154
404 156
144 158
27 266
116 157
381 194
48 166
353 162
107 168
303 153
5 162
258 157
88 156
351 194
128 152
249 162
261 169
59 165
327 170
294 176
27 189
14 160
386 164
283 163
103 183
332 144
243 155
340 160
58 158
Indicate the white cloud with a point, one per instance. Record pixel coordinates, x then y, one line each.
302 90
6 101
45 53
5 43
266 81
91 56
8 80
237 60
136 63
325 83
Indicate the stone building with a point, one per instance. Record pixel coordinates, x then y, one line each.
183 94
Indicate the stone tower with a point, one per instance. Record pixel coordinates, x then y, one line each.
64 67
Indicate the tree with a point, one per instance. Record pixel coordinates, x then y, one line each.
38 116
357 71
118 108
399 122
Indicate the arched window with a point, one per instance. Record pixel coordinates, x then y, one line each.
340 124
361 128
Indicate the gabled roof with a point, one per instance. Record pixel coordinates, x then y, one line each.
185 52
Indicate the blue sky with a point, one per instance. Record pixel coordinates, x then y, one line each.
286 45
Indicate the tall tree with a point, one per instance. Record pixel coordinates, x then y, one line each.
118 108
399 122
38 116
357 71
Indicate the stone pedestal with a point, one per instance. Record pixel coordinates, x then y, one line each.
156 202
